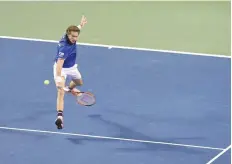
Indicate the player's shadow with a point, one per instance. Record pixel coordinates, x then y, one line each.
124 132
155 118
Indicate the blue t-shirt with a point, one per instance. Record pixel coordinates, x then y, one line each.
67 51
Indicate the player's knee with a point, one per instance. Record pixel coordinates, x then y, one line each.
80 83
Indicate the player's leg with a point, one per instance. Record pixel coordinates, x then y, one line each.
60 101
60 105
76 80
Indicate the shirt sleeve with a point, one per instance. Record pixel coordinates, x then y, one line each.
62 52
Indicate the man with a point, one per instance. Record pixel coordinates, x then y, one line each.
65 65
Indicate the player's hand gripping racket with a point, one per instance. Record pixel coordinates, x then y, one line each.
84 98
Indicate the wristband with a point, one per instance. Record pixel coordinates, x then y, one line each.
79 26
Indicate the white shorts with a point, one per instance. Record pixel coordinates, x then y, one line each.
71 72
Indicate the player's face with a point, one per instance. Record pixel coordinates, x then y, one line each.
73 37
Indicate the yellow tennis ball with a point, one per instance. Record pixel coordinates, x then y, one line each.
46 82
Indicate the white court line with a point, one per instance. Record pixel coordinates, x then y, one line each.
220 154
121 47
109 138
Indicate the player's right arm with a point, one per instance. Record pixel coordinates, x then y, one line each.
62 55
59 66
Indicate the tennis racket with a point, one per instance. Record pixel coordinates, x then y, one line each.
84 98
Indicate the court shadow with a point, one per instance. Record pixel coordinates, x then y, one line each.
155 118
125 132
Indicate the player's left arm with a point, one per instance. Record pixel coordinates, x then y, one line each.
83 22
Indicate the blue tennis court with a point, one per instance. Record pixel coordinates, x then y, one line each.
152 107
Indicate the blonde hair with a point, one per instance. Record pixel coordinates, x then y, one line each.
72 28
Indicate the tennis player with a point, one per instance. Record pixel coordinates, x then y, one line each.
65 65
